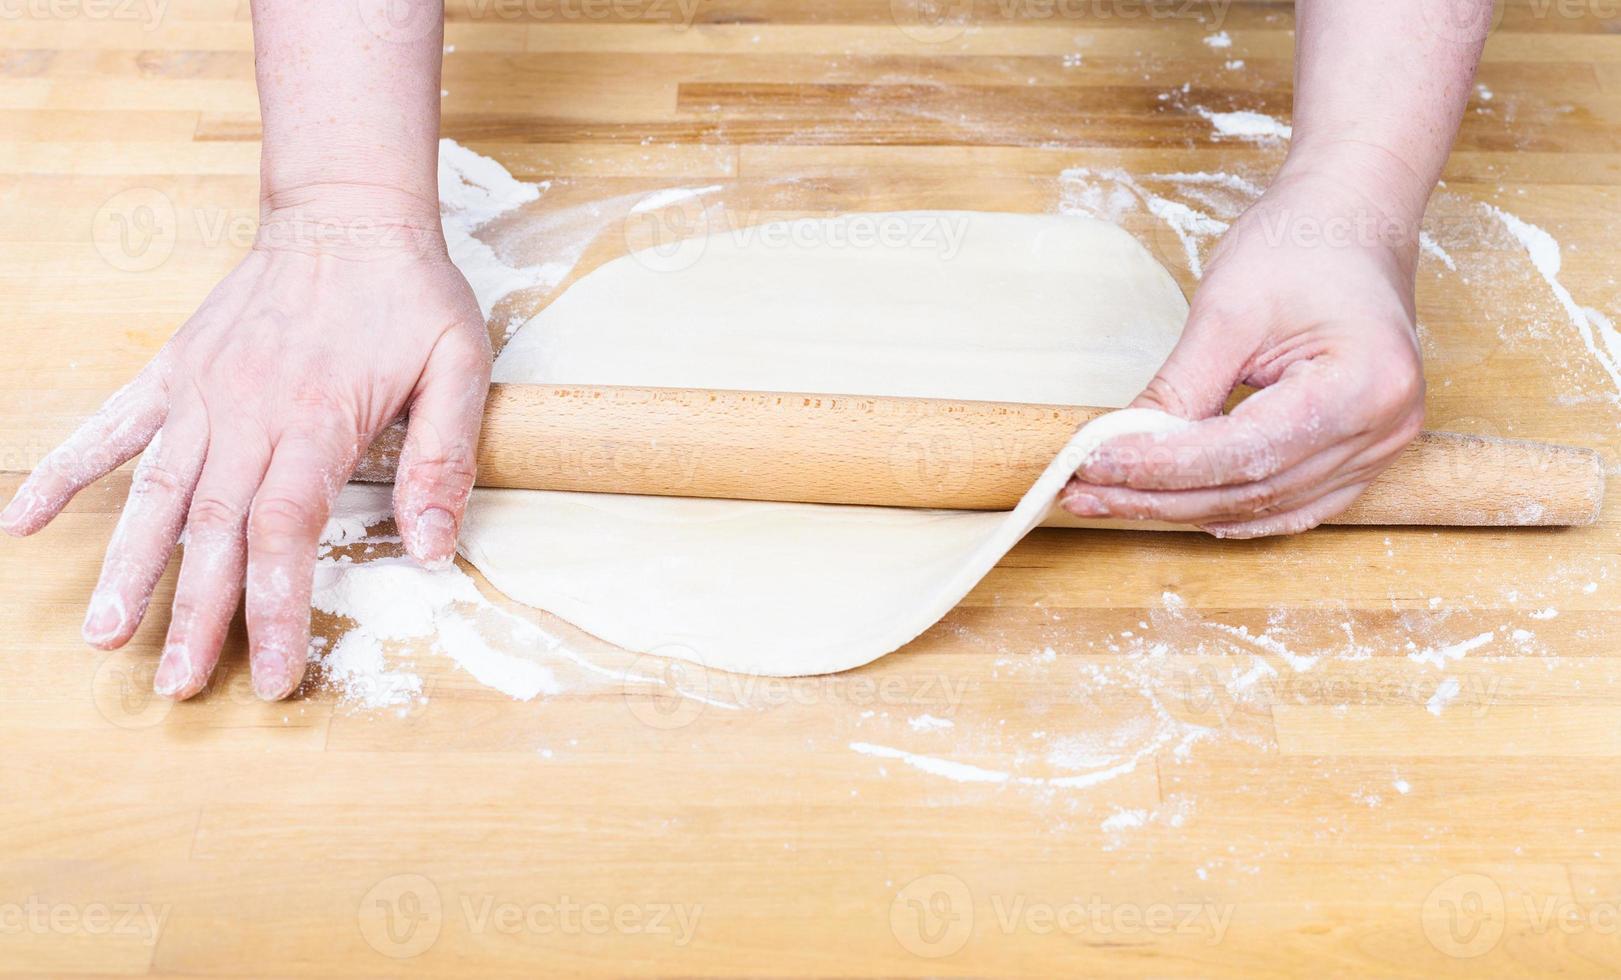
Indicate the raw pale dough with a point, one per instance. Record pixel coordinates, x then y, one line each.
1003 307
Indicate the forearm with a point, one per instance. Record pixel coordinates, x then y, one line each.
1380 88
349 97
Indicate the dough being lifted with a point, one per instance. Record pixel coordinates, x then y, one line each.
965 305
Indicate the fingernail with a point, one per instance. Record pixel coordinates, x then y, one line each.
16 513
174 672
1085 505
436 535
271 680
104 618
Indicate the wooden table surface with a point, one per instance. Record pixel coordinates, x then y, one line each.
1116 757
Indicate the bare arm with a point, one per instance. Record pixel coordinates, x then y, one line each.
1380 88
349 96
1309 295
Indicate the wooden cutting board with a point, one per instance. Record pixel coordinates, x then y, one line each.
1330 818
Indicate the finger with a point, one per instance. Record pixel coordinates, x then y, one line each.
1271 431
212 567
119 429
1336 466
284 530
1201 371
139 551
435 474
1324 508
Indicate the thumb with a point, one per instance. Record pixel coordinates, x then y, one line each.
435 473
1203 368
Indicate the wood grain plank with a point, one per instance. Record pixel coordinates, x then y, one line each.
1319 820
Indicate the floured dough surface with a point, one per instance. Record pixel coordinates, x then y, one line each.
1033 308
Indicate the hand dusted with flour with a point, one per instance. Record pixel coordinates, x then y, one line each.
347 313
1311 293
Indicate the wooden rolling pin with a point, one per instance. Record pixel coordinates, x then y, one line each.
915 452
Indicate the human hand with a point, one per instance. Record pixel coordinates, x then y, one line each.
253 416
1309 297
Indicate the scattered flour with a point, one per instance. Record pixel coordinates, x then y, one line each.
1190 227
1246 125
959 771
1430 247
1445 693
1123 819
473 191
964 773
1112 194
394 599
1219 41
512 675
1259 670
1438 657
357 671
1299 662
1597 332
348 526
668 196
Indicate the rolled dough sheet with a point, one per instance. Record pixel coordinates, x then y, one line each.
966 305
